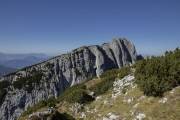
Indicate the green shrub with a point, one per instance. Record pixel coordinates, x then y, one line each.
34 108
3 91
107 79
61 116
157 75
4 84
51 102
35 118
49 65
78 73
28 81
77 93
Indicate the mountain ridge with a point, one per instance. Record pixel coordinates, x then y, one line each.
51 77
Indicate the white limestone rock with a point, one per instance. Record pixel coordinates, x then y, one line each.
163 100
140 116
120 84
111 116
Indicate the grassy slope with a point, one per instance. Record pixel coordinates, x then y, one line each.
150 106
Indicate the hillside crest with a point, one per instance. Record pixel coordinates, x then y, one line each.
50 78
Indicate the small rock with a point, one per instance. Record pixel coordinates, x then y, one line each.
111 116
76 108
92 94
140 116
141 98
119 85
83 115
132 112
95 110
105 102
172 91
99 115
129 100
98 98
135 106
134 86
105 118
163 100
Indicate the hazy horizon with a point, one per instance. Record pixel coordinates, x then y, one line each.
56 27
51 54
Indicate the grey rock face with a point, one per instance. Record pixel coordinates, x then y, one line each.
61 72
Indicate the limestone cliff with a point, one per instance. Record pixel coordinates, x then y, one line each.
30 85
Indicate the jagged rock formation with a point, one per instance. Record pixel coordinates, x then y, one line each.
30 85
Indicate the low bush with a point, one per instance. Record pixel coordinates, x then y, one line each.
77 93
34 108
28 81
3 91
4 84
157 75
51 102
35 118
49 65
78 73
107 79
61 116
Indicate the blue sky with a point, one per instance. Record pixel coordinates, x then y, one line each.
55 26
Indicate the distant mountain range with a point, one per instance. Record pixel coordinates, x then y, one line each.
5 70
12 62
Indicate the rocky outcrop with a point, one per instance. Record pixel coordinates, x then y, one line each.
120 85
30 85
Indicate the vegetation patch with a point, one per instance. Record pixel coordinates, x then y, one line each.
107 79
76 94
78 73
61 116
157 75
3 91
28 81
51 102
49 65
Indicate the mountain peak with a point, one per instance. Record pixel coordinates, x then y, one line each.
50 78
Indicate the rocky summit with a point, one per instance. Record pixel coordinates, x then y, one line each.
28 86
